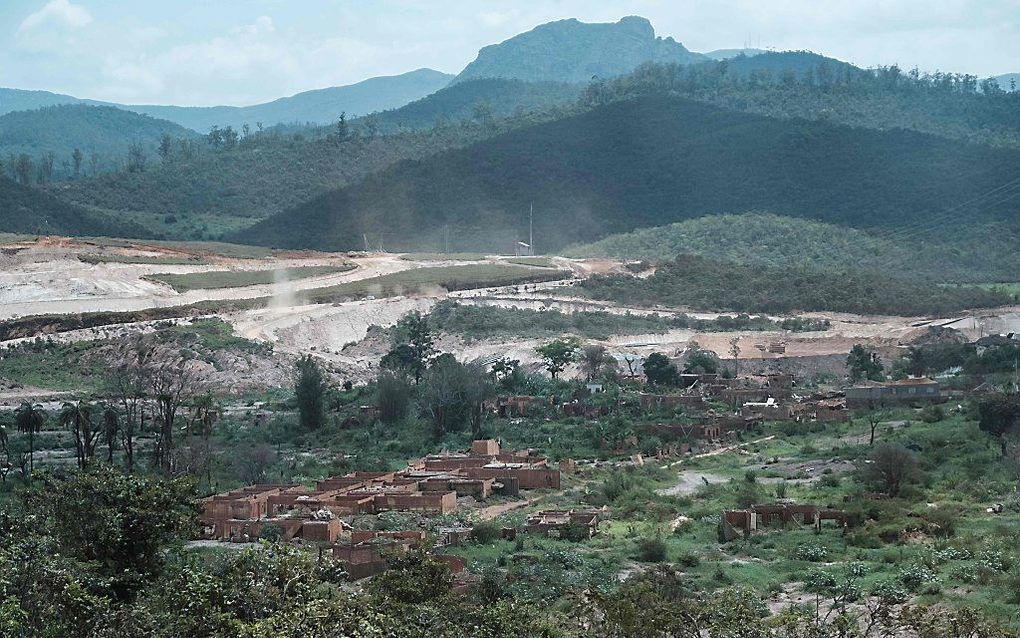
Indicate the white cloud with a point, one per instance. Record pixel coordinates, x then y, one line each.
57 12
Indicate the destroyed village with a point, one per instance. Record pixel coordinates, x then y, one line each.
441 319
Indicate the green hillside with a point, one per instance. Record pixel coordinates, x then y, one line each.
475 100
707 284
103 134
805 85
26 210
969 253
647 162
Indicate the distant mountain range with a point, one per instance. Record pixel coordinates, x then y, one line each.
574 52
320 106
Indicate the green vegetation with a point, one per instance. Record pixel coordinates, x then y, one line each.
706 284
105 138
597 173
25 210
427 279
237 278
540 262
971 253
157 260
443 256
488 322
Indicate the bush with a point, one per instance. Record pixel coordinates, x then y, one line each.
485 533
812 553
651 549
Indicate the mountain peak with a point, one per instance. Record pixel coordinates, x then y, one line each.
573 51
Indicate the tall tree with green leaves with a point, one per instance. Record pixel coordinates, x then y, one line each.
310 391
559 353
414 346
77 419
863 363
29 419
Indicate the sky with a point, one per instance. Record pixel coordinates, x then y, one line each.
240 52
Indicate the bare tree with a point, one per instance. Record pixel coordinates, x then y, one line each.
251 463
126 380
171 384
594 359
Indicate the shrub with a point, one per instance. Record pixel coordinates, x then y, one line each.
812 553
651 549
485 533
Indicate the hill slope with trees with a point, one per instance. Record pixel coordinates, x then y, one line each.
26 210
977 253
707 284
647 162
103 135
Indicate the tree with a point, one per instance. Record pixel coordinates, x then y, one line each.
115 521
891 466
166 147
29 419
557 354
594 360
875 417
23 169
77 419
659 370
45 167
442 394
76 159
701 362
111 430
252 462
171 384
136 158
735 353
310 392
393 396
863 363
127 381
414 346
343 130
999 416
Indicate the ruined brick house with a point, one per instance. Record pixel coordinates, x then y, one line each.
757 517
555 522
430 486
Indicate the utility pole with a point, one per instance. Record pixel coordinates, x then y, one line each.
367 248
531 229
446 233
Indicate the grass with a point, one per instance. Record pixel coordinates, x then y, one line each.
158 260
539 262
240 278
430 278
218 248
444 256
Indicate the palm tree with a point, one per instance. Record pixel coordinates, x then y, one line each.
29 419
77 418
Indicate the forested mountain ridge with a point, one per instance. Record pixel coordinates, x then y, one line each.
646 162
572 51
30 211
318 106
801 84
966 252
102 135
479 100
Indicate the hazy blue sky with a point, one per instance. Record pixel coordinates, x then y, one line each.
245 51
